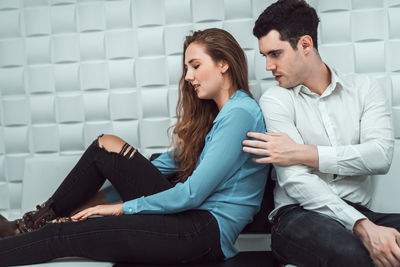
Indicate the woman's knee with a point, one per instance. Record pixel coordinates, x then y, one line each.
112 143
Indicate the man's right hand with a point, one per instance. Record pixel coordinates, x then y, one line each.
380 242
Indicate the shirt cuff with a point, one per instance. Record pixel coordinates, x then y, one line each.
327 158
131 206
348 215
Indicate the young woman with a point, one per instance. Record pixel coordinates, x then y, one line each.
196 217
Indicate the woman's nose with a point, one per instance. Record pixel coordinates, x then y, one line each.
189 76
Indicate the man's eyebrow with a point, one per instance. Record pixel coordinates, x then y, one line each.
273 51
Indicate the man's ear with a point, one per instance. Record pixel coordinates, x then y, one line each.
223 66
306 44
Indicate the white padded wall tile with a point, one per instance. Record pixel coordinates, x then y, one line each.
335 27
205 25
4 196
128 131
394 55
394 22
259 6
69 108
94 76
44 138
368 25
11 52
250 57
10 24
153 132
38 50
2 148
12 81
15 195
124 105
238 9
151 41
10 4
40 79
91 130
16 139
340 56
31 3
71 137
337 5
66 77
96 106
91 17
174 38
2 176
14 166
37 21
65 48
15 111
42 109
118 14
242 31
61 2
202 11
369 57
392 3
174 68
178 11
151 71
172 100
92 46
395 82
148 12
63 19
362 4
255 89
396 121
121 73
120 44
154 102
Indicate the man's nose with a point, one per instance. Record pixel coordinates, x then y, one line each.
270 65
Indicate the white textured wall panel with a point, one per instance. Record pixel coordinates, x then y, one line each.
11 53
10 24
65 48
12 81
73 69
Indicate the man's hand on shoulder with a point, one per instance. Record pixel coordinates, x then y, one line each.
380 242
279 148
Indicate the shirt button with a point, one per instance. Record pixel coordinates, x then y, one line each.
130 209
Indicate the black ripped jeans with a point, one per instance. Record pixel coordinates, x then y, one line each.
190 236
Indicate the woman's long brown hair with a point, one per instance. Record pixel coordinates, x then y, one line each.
195 116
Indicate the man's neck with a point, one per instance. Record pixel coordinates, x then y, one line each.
319 77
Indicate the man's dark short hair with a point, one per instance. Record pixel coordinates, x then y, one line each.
291 18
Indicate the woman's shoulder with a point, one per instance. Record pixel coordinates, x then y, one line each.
245 103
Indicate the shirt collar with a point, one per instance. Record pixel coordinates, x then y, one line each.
336 82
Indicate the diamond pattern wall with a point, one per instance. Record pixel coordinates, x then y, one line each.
73 69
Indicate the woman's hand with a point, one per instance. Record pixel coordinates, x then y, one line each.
104 210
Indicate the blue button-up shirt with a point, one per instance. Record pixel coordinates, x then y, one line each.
226 182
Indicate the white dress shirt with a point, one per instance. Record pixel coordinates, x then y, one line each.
350 123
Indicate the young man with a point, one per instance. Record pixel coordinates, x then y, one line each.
327 133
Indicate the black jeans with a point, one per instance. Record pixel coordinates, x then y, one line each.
190 236
307 238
